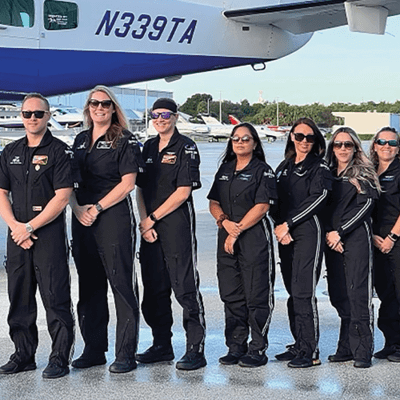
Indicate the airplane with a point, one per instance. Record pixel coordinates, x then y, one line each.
217 129
183 125
56 47
264 131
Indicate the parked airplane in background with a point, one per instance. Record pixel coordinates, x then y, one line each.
57 47
264 131
183 125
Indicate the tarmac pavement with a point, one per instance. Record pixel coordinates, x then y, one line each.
215 381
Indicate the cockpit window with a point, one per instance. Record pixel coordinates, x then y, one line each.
60 15
17 13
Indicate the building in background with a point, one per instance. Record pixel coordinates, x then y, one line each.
133 101
367 123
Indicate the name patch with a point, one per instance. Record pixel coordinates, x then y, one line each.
169 159
103 145
40 160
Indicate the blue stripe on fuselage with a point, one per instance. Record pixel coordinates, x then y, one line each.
53 72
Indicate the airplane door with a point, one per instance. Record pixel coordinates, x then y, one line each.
19 23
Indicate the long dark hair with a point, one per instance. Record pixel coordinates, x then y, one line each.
319 145
119 121
258 152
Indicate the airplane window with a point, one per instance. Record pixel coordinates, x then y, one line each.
60 15
17 13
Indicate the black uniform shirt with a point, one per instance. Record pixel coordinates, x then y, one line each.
387 208
33 179
348 208
302 189
176 165
99 170
237 192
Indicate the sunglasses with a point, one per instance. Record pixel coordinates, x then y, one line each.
382 142
347 145
104 103
299 137
164 115
244 139
39 114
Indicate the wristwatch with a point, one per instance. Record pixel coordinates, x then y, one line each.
29 228
98 207
153 217
393 237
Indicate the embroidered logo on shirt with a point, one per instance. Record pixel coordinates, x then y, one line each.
81 147
37 208
191 149
270 174
103 145
16 160
40 160
149 161
389 178
224 178
69 153
245 177
169 158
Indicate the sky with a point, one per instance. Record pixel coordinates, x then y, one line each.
336 65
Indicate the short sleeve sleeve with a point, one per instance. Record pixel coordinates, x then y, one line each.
130 158
214 193
62 176
267 192
189 171
4 176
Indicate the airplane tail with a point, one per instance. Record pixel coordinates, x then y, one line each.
233 120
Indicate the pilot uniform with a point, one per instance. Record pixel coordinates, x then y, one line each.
105 250
350 272
302 192
171 261
387 266
32 175
246 278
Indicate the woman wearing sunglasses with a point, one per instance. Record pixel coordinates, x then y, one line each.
384 153
348 255
168 249
106 160
243 190
303 183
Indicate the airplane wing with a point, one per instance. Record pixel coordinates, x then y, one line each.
297 17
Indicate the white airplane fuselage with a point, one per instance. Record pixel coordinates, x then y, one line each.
125 41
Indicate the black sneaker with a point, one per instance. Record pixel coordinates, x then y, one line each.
394 357
340 357
288 355
253 360
54 370
122 366
362 364
385 352
156 354
231 358
303 361
15 365
191 361
89 360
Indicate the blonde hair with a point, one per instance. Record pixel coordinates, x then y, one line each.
360 168
372 153
119 121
